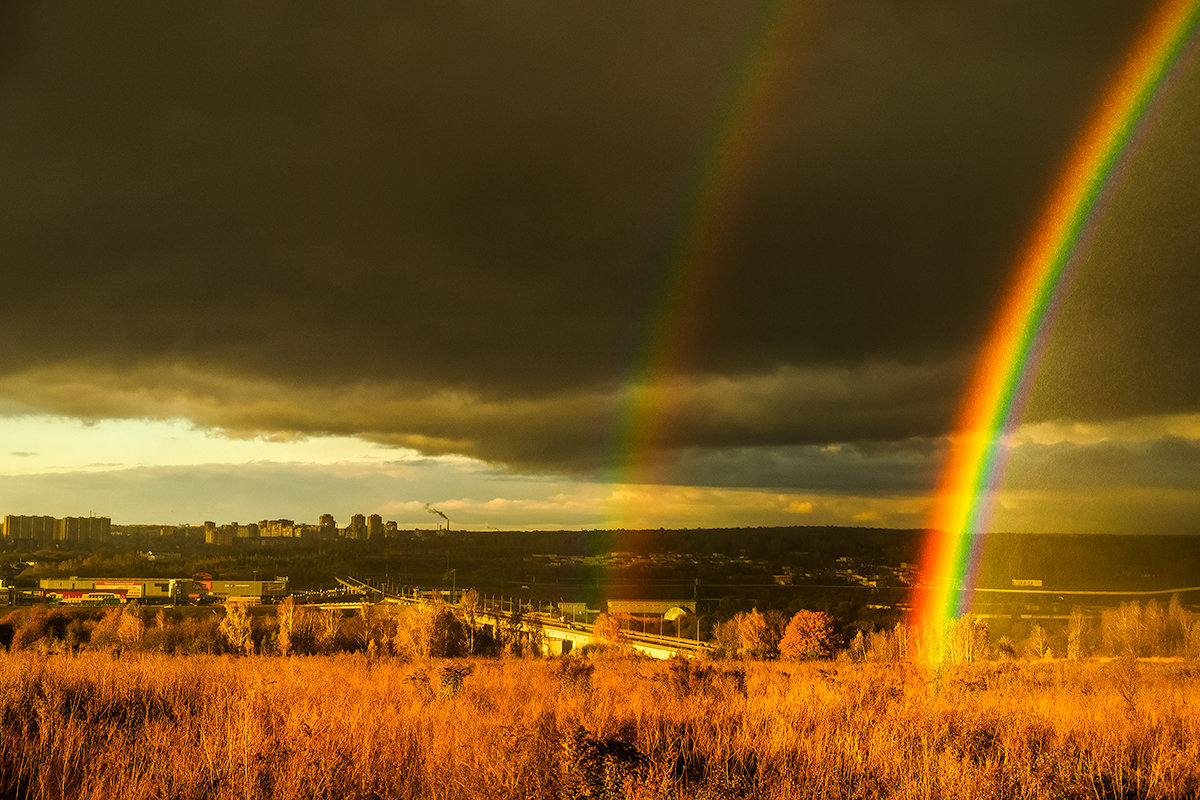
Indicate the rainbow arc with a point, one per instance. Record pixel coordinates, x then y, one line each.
687 271
1005 370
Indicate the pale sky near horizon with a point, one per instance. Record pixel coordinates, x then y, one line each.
264 262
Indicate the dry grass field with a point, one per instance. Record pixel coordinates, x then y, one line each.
157 726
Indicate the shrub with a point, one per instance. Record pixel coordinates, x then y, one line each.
429 630
104 632
607 629
574 676
1005 648
38 623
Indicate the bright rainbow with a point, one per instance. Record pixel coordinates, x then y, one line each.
1003 373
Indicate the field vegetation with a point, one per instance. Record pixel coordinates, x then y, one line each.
300 703
350 726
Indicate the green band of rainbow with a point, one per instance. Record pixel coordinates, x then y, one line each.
1003 373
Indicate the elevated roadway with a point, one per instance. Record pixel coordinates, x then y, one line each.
559 635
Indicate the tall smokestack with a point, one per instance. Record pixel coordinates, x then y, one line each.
433 510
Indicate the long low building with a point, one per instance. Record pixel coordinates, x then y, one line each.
163 590
648 607
254 591
160 590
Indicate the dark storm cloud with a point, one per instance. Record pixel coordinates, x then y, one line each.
568 432
444 226
895 468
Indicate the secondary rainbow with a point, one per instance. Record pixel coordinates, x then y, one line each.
998 389
687 266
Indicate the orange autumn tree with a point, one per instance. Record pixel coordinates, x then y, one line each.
808 635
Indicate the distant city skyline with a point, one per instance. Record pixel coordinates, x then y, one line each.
252 479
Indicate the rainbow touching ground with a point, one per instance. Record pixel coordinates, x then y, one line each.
1004 372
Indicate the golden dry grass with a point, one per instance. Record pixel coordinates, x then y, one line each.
153 726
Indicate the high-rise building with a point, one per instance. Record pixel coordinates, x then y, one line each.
279 529
374 527
327 527
249 531
221 537
68 529
29 527
357 529
82 529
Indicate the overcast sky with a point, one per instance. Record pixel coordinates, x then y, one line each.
277 259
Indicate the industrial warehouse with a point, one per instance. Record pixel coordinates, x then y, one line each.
197 589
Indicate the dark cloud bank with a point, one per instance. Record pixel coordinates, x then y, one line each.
444 226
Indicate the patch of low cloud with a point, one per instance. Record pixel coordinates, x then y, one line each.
1169 462
575 433
262 490
67 444
1118 509
1136 429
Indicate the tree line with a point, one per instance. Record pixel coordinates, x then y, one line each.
441 630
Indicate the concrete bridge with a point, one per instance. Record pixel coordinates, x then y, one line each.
559 636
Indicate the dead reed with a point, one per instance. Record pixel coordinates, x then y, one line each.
156 726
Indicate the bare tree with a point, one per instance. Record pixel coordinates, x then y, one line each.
235 629
1037 644
1179 627
754 636
131 627
285 614
1122 629
967 640
1076 629
470 604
